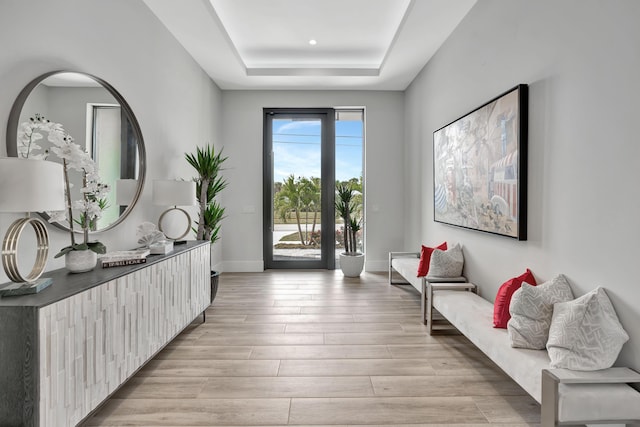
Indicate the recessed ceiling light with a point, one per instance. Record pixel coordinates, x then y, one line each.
313 42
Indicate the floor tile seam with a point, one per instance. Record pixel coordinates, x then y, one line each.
275 345
481 411
396 398
207 399
305 344
373 389
373 395
337 359
322 358
210 377
446 395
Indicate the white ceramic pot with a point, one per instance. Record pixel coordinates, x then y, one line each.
351 265
80 261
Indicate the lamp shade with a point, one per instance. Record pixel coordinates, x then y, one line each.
174 193
28 185
126 191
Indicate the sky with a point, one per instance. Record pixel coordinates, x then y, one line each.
296 149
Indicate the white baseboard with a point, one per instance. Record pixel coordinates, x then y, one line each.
376 265
242 266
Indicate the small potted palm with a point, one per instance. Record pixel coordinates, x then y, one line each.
351 260
209 182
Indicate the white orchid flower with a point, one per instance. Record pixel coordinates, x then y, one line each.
74 159
57 216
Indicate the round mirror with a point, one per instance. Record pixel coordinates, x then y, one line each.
100 121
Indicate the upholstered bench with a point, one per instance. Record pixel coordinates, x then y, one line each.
567 397
406 265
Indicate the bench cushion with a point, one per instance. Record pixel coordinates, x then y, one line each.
408 268
473 317
611 402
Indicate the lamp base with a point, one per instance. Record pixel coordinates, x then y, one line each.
26 288
186 231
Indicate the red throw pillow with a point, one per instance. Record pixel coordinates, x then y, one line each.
503 299
425 258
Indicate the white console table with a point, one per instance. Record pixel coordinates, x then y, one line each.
66 349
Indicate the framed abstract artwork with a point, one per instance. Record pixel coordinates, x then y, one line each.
480 167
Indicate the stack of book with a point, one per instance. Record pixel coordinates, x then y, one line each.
120 258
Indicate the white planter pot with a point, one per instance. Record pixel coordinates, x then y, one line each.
80 261
351 265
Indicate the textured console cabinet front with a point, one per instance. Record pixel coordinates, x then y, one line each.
90 343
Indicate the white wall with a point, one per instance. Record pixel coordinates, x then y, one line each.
581 61
243 117
122 42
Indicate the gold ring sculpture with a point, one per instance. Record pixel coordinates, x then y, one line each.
188 223
10 250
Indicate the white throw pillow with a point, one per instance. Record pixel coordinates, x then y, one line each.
447 263
585 333
531 311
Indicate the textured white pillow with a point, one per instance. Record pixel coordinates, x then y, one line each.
585 333
531 311
447 263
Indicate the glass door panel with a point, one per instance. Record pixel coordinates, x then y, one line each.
295 191
349 161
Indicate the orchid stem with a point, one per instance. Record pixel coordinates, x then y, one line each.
85 220
66 181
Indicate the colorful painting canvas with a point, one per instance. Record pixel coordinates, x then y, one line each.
480 167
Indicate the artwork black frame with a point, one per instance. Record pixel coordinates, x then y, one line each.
480 167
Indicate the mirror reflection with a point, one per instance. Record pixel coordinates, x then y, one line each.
99 120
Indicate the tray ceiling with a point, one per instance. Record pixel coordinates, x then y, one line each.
302 44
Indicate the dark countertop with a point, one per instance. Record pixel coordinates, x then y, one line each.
66 284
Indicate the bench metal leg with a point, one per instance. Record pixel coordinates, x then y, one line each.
550 402
429 287
428 301
423 302
549 409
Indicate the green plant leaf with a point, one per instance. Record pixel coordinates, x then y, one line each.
63 251
97 247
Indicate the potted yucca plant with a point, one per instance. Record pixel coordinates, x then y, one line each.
209 182
351 260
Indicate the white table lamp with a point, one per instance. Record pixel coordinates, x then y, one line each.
29 186
174 193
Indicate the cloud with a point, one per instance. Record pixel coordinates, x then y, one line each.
299 152
297 125
299 160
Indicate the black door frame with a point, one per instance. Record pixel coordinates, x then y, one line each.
327 230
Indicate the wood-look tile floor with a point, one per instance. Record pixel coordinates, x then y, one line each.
315 348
